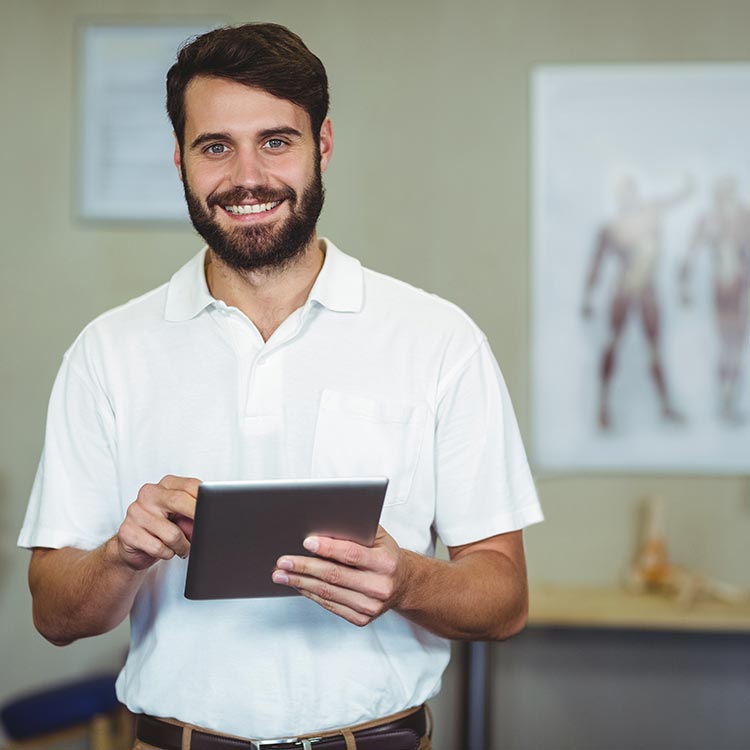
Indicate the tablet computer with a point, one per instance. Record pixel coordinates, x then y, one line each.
242 528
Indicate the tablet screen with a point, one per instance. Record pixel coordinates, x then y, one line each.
242 528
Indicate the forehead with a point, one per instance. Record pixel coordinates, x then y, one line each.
222 105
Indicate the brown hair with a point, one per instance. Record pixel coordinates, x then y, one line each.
262 55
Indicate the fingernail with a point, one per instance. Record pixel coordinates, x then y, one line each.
311 544
286 564
279 577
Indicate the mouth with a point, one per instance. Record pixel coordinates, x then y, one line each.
251 210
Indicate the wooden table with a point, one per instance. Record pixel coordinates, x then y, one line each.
612 607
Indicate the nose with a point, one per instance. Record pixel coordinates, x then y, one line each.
247 168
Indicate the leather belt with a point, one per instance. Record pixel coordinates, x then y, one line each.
403 733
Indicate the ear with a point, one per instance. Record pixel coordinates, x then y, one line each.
326 143
177 157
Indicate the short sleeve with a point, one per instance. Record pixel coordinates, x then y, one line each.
483 482
74 499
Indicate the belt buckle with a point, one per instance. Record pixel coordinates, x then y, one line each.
294 741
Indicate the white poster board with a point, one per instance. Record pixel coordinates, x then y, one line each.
641 268
125 138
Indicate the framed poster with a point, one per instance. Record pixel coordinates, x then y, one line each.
125 142
641 268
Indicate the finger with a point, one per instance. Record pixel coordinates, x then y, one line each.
349 553
333 595
365 582
350 615
183 484
171 535
181 503
167 500
186 526
137 541
158 526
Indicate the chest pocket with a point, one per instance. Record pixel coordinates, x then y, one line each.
360 436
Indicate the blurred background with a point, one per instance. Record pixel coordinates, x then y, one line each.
430 182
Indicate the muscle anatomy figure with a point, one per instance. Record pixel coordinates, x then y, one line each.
633 239
724 229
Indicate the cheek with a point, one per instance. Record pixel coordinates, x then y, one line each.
292 169
298 178
205 178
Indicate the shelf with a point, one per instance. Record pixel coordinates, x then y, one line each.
589 607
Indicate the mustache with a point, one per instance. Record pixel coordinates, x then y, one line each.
262 194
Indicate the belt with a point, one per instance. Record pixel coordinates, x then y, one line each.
402 733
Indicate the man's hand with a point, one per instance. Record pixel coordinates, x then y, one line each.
354 582
159 524
78 593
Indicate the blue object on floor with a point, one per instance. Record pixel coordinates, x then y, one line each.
59 707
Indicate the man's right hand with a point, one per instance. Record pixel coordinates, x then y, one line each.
159 524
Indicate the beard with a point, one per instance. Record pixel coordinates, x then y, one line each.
255 247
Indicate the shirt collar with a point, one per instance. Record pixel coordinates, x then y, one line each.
188 294
339 286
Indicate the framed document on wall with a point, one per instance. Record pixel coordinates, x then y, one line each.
125 144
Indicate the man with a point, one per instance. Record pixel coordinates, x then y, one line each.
633 237
273 354
725 230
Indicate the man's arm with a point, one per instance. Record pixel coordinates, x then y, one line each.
79 593
480 594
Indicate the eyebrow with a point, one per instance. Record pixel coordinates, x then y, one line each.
286 130
204 138
208 137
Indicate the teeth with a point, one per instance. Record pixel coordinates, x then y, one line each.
257 209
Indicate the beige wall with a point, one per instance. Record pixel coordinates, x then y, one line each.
429 183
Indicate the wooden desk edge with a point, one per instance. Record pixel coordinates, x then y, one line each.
610 607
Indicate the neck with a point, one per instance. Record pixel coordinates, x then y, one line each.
266 296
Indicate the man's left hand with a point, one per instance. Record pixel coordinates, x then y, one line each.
355 582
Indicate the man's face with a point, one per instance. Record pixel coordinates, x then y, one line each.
251 172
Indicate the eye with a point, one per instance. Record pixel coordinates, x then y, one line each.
216 148
274 144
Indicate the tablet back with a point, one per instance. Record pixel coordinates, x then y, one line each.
242 528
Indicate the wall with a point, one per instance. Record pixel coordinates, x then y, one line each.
429 183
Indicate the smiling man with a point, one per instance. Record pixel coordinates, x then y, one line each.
255 191
273 354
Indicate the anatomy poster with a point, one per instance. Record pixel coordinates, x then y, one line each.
641 268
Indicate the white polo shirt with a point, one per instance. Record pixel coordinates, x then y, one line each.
370 377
